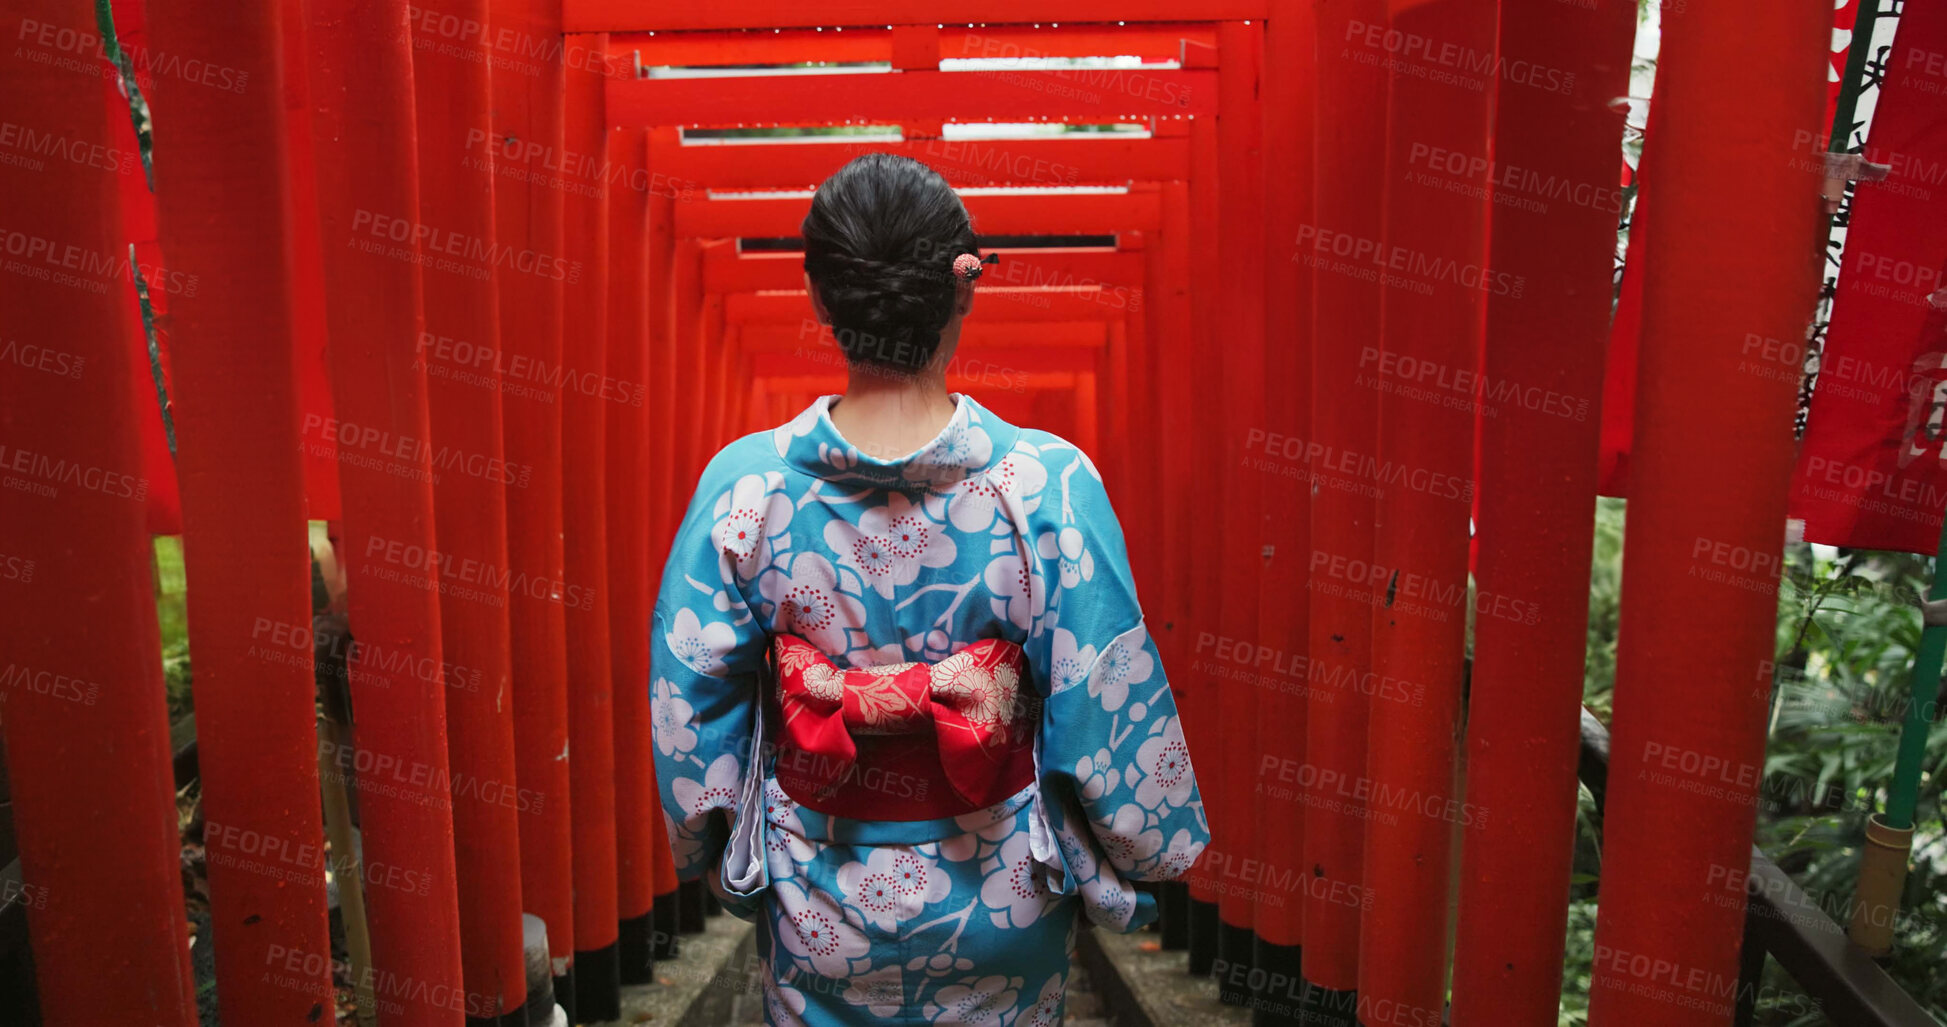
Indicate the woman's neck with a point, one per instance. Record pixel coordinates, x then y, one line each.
890 415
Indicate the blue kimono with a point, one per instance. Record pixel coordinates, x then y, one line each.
989 531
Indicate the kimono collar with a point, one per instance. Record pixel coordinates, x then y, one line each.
973 440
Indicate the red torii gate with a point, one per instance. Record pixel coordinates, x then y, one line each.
915 49
1257 170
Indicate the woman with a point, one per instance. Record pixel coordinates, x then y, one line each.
907 714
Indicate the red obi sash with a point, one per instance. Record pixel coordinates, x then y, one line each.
907 741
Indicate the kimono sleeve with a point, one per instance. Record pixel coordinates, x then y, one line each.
706 661
1119 793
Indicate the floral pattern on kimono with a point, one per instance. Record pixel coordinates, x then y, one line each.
989 531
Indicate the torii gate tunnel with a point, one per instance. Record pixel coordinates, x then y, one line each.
482 284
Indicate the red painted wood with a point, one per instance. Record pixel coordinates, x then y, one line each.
740 373
1018 214
463 355
751 417
631 576
1117 274
766 45
716 350
1079 94
1009 373
138 228
1134 391
528 142
584 499
1090 159
1347 205
220 172
696 369
1201 476
1282 626
813 384
621 15
1735 254
709 381
666 883
1114 414
1436 212
1536 516
686 376
912 47
663 485
1237 315
361 89
985 347
1118 402
1018 309
1085 412
309 332
1155 42
86 727
681 387
1143 463
1178 452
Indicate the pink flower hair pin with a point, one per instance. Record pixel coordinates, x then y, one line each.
967 267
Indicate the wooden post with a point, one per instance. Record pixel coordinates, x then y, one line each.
368 210
1424 368
584 494
666 490
689 379
1347 221
221 188
631 578
1238 564
462 355
1536 496
1202 578
528 143
1176 451
86 725
1275 455
1735 256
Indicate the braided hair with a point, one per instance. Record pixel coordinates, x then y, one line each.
880 240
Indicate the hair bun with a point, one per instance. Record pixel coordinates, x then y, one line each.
883 240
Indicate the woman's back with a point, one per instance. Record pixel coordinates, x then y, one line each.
908 706
880 561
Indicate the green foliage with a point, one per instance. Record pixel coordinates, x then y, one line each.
1578 964
172 618
1847 631
1605 606
1605 614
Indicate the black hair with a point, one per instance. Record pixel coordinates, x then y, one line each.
879 245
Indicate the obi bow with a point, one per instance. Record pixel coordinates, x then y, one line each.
972 702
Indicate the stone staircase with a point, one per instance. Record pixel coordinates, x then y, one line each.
716 982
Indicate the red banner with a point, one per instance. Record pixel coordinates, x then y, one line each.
1619 383
1844 17
1619 374
1872 471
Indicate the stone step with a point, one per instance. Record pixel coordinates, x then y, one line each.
704 987
717 982
1141 985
